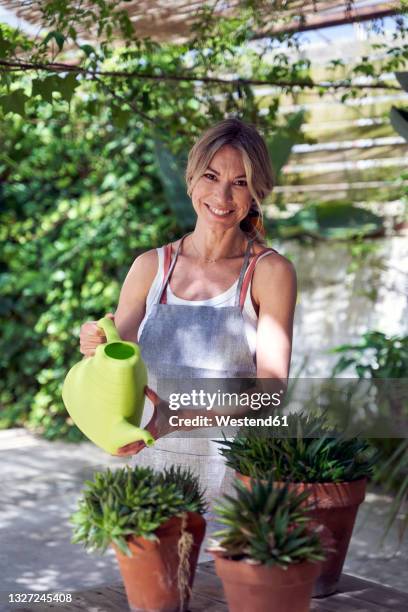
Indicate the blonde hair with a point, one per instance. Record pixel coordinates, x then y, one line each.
258 168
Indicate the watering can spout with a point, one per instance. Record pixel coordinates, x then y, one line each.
104 394
125 433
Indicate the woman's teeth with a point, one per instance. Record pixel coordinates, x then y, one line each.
219 211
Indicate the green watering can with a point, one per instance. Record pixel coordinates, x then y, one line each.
104 394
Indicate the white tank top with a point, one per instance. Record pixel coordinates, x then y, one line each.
226 298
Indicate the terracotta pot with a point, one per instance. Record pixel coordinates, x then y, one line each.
335 507
151 574
259 588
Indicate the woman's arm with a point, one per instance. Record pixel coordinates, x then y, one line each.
132 300
274 288
131 307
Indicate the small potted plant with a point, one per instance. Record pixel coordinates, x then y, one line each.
154 522
270 552
332 470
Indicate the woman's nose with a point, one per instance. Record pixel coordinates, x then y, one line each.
224 192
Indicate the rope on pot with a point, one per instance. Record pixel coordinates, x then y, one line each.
184 547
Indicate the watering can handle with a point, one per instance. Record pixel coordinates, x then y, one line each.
109 328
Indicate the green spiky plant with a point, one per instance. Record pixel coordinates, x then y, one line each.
267 525
133 501
309 452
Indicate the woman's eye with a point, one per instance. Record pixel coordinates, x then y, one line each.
212 177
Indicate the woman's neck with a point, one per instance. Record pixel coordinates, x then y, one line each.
211 246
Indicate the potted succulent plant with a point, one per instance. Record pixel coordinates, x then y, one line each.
270 551
154 522
332 470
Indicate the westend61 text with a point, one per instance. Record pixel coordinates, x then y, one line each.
228 421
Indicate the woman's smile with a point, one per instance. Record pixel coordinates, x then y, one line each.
219 212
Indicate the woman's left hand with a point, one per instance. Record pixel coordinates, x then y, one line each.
158 425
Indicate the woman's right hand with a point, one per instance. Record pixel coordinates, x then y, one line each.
91 336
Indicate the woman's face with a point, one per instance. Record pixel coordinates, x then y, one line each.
221 197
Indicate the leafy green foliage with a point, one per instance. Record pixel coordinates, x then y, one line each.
171 169
133 501
268 525
307 453
376 356
379 356
219 45
79 202
280 144
330 221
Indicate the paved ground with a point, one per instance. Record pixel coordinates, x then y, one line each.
40 485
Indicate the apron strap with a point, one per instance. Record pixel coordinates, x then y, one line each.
168 269
167 261
249 275
243 270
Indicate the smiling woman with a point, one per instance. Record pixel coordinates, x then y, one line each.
214 304
221 198
238 148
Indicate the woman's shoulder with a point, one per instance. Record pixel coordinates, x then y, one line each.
147 258
272 264
144 268
274 275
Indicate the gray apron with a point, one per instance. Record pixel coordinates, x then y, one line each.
187 342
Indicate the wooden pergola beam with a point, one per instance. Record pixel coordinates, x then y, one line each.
315 21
